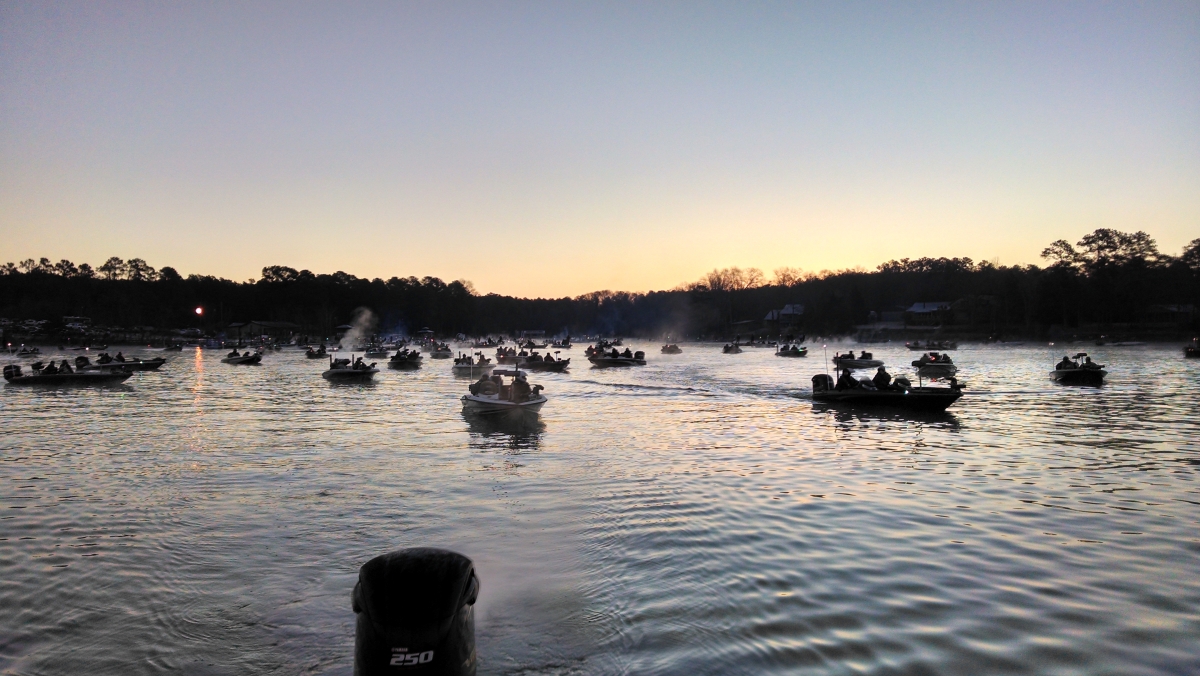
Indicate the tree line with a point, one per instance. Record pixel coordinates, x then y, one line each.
1106 278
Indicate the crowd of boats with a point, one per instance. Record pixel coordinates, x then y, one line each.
491 394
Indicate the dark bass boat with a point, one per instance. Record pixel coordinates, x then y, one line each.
104 361
468 365
864 361
347 370
899 395
672 348
536 362
932 345
376 351
1070 371
405 359
246 359
731 348
1192 351
615 358
793 351
490 396
54 375
935 365
440 351
317 353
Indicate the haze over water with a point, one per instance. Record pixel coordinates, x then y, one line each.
695 516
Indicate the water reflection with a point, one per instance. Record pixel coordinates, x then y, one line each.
512 432
843 414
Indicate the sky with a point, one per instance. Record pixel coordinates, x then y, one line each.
556 148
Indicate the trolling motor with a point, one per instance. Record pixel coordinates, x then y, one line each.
415 614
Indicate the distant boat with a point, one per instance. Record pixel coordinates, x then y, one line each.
405 359
82 363
731 348
671 348
911 398
849 361
793 351
14 376
468 365
614 358
246 359
491 398
1071 372
935 365
344 370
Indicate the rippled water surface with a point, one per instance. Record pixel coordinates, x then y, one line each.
695 516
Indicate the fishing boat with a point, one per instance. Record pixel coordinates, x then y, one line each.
536 362
495 398
1070 371
672 348
317 353
46 376
405 359
793 351
864 361
104 362
376 351
530 345
901 395
440 351
1192 351
28 351
935 365
615 358
246 359
731 348
468 365
564 344
932 345
348 370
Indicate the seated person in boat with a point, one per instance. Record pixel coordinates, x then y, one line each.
520 389
50 370
628 354
1066 363
614 353
119 357
882 379
103 358
846 381
866 355
1089 364
235 353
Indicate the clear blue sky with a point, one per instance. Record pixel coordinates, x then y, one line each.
557 148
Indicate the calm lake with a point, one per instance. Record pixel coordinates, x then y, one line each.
698 515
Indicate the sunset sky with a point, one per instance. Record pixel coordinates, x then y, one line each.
549 149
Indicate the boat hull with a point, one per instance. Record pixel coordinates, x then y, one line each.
1079 376
605 362
915 399
491 405
857 363
935 370
243 361
793 355
139 365
556 366
349 375
473 369
110 377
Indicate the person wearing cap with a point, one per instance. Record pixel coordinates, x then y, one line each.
520 389
1066 363
882 379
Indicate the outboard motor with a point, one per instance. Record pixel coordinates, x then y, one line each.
416 614
639 355
12 371
822 382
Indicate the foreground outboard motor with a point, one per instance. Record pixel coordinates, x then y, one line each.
822 382
12 371
416 614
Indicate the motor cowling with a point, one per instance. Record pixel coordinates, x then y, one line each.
639 355
415 614
12 371
822 382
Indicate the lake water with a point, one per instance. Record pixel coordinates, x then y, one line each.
697 515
